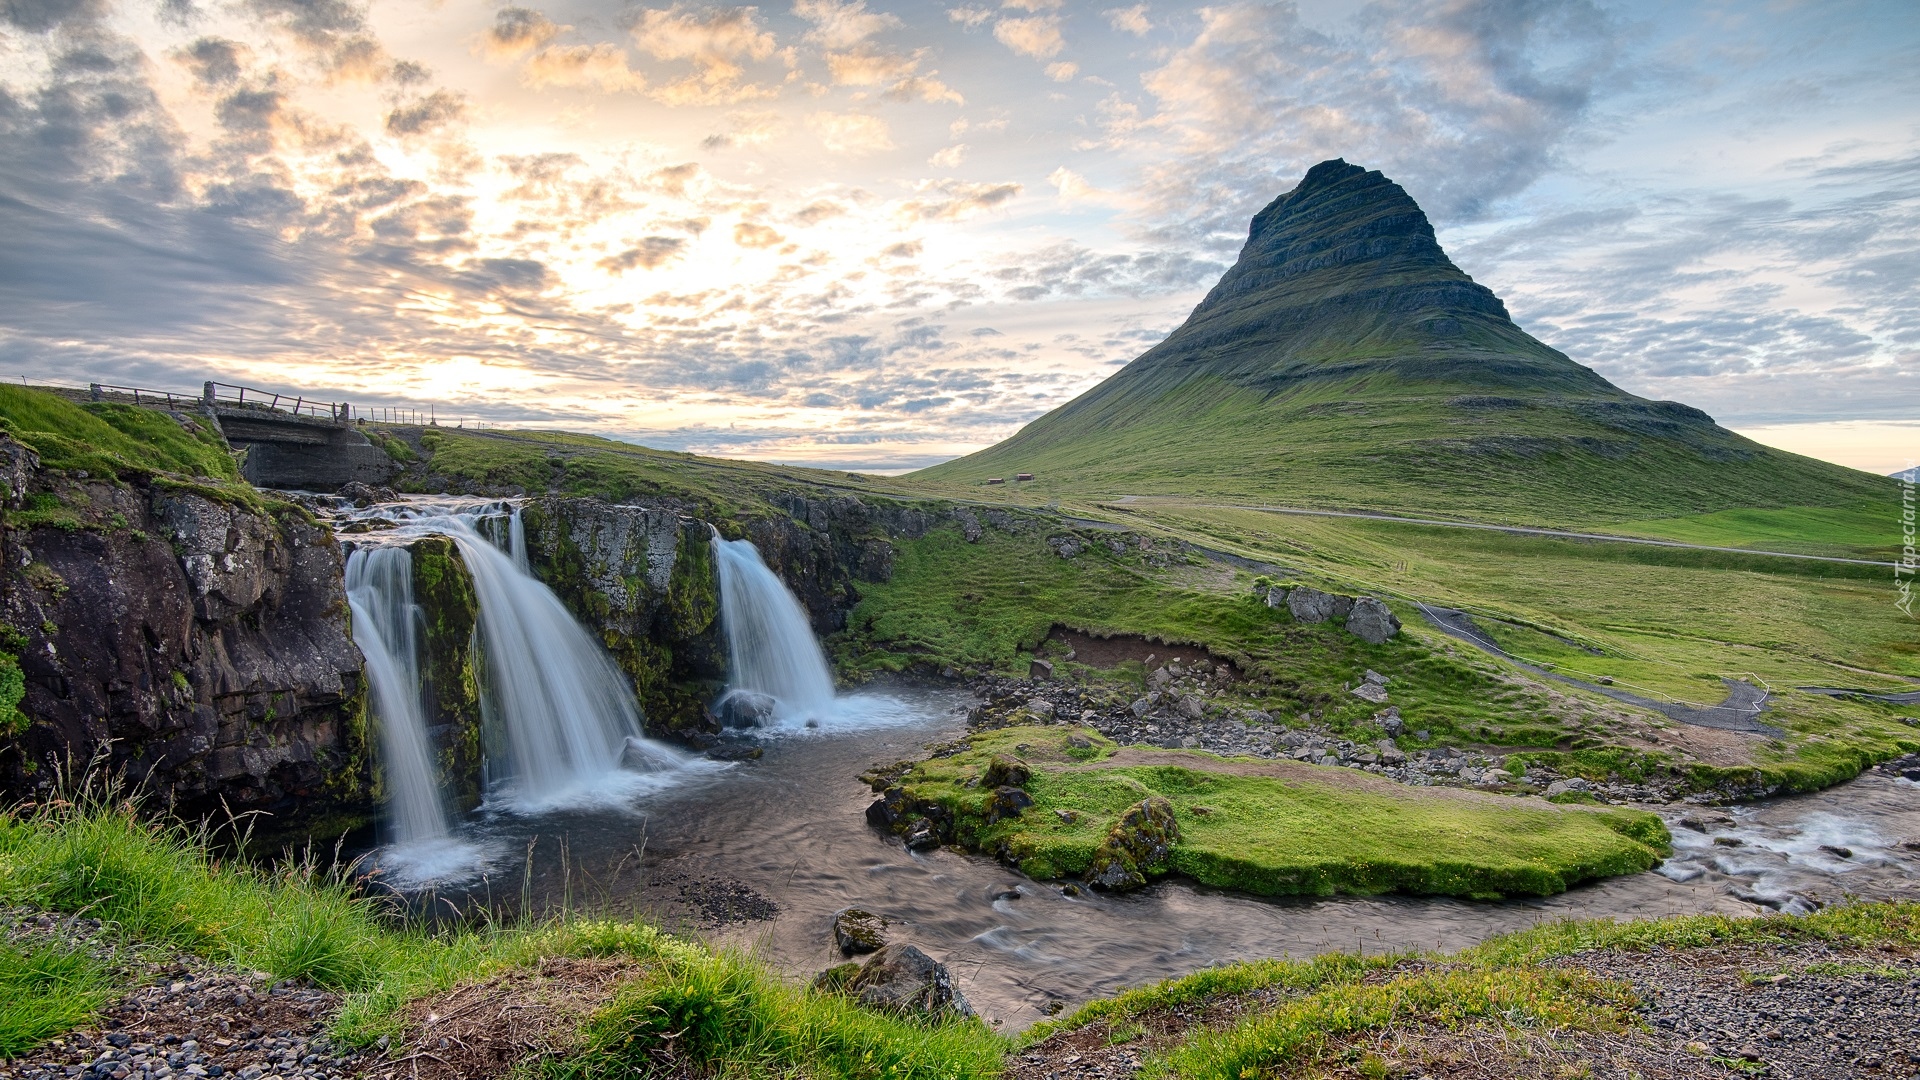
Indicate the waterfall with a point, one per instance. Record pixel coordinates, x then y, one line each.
386 627
769 641
567 712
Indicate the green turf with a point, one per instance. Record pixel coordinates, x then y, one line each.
1311 830
1867 531
112 440
46 987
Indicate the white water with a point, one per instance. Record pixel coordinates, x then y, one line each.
386 627
567 713
771 649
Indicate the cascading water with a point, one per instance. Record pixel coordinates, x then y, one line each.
770 644
386 627
569 718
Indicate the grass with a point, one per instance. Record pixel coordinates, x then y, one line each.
112 440
1327 1001
1284 829
727 1016
162 885
46 987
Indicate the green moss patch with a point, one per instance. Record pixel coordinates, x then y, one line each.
111 440
1276 828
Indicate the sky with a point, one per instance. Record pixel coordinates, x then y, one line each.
873 234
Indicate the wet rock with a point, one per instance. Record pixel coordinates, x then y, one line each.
1007 802
922 836
734 751
1137 845
1837 851
901 978
1371 621
856 930
744 709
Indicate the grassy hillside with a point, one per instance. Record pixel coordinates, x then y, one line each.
1345 362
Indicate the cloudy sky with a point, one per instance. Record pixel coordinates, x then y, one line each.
876 234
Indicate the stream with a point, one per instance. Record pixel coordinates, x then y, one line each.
760 854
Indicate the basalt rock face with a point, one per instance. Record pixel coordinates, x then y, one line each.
643 579
200 647
450 683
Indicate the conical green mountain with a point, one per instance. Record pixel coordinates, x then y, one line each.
1344 361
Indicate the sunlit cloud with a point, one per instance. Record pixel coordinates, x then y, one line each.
1037 37
850 133
1130 20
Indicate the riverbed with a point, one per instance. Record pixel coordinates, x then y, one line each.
759 855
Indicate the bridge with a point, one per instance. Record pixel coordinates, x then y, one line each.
291 441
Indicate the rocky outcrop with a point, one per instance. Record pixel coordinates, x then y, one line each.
643 579
857 930
196 643
450 684
1365 617
1137 846
903 979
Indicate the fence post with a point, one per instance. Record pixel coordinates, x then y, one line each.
206 393
94 393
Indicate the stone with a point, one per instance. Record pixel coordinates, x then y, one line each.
1372 621
1375 677
902 978
1007 802
1138 844
969 525
1192 707
1004 771
1140 707
1160 677
1040 669
745 709
1373 692
728 751
1067 547
1562 787
1390 721
1310 605
1277 596
1041 708
922 836
857 930
1078 741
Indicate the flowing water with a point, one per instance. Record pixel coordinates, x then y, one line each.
762 853
789 829
771 649
386 625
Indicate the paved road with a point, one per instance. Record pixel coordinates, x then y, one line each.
1522 530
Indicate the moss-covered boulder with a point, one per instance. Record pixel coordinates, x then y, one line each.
1137 846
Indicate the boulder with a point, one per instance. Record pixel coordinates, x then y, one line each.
1561 787
1140 707
1067 546
1192 707
1277 596
1004 771
1390 721
1310 605
969 525
1041 669
901 978
744 709
856 930
1371 621
922 835
1041 708
1006 802
1375 677
1137 845
1369 691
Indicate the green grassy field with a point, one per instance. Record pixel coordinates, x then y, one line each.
1280 828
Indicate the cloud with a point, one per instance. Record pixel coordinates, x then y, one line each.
842 25
717 42
649 253
603 65
434 111
969 17
1130 20
868 67
950 157
517 31
750 234
924 88
1063 71
215 61
953 200
750 127
1036 37
850 133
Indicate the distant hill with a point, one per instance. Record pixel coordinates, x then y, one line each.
1344 361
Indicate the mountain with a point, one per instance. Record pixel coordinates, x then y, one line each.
1345 361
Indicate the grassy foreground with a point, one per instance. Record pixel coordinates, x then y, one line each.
161 890
1279 827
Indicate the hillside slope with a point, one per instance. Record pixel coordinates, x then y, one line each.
1344 361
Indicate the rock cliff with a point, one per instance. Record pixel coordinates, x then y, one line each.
195 642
